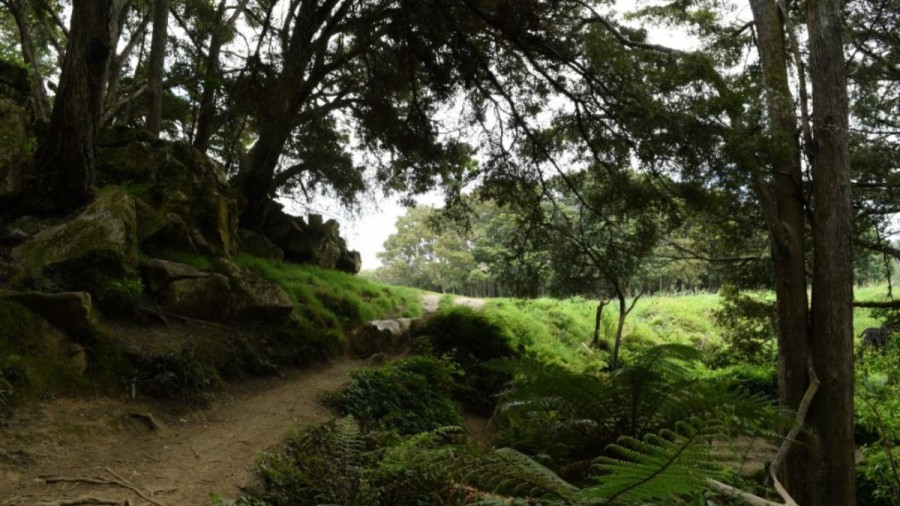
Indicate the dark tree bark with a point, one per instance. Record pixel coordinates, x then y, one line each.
597 320
206 117
38 92
156 66
831 415
624 310
784 211
64 173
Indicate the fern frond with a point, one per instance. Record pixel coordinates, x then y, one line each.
672 462
501 473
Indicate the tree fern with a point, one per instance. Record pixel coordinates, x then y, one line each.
576 416
662 465
324 464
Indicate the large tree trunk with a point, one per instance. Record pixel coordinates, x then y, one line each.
783 201
831 414
65 159
156 64
255 180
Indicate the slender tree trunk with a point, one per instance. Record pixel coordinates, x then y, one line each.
597 320
785 219
623 312
38 92
206 116
831 415
157 64
65 174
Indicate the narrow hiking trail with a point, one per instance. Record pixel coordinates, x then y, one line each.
190 456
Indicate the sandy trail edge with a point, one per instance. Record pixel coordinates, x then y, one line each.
210 450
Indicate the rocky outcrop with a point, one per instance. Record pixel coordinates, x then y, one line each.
189 204
160 273
315 242
15 121
71 312
258 245
381 336
229 292
98 245
205 298
252 296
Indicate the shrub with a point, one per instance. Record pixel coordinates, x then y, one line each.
177 376
410 397
753 378
120 297
470 340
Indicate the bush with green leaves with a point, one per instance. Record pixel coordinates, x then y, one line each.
120 297
470 340
408 397
877 410
179 375
748 322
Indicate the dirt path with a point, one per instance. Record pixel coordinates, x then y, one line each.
431 301
190 457
211 450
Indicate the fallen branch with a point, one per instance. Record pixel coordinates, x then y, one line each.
747 497
754 500
792 435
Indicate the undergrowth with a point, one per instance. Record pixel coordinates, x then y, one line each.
408 397
470 339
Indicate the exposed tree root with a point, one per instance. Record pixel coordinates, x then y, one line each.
87 500
118 481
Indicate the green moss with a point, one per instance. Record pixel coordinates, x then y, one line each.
195 260
32 355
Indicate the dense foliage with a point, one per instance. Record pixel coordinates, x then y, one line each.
409 397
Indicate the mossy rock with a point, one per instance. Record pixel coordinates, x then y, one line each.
186 194
87 251
207 298
36 357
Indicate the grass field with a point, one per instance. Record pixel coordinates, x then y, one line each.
560 329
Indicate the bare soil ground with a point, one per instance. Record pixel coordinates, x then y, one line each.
191 456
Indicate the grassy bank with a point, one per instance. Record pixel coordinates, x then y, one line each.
558 329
